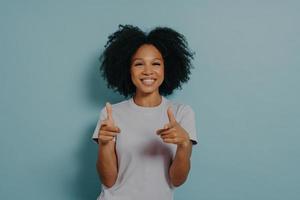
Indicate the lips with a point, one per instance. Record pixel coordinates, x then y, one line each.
148 81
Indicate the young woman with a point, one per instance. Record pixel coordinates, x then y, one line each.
145 142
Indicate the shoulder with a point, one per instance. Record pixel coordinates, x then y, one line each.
180 108
120 105
115 106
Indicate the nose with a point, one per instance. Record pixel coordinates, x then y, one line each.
147 69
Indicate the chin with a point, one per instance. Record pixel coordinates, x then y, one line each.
147 90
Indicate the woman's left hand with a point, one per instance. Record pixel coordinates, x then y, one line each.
173 133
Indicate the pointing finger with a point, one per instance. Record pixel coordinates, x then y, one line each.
166 132
109 111
106 126
166 127
171 116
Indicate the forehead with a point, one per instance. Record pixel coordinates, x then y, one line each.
147 51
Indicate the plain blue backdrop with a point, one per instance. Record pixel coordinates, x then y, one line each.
244 89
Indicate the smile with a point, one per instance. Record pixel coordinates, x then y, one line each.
148 81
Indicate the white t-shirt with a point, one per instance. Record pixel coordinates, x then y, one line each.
143 158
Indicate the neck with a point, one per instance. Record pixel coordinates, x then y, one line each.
147 100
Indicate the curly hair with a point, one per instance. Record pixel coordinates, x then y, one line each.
121 46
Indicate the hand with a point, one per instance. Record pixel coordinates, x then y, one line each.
108 130
173 132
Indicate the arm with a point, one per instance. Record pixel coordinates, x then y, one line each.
107 163
174 133
180 166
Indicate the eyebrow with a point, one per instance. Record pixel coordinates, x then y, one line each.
142 59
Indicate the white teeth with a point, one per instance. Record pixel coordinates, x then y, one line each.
148 81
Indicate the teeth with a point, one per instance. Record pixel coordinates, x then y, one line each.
147 81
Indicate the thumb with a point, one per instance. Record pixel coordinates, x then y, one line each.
171 116
109 111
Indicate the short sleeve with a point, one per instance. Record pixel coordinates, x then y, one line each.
188 122
102 116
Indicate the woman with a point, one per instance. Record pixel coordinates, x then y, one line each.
145 142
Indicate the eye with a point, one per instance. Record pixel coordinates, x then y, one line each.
156 63
137 64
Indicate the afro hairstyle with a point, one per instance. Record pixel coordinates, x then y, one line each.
115 61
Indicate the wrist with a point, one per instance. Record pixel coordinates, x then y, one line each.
106 146
184 144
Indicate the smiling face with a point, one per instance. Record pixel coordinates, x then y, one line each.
147 69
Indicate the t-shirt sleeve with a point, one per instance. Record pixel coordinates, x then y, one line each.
188 122
102 116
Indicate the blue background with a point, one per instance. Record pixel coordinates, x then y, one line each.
244 89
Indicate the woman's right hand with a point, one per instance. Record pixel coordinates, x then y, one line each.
108 129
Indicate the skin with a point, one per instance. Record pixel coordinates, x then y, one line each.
107 165
146 62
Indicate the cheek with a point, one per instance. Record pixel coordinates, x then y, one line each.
134 76
161 73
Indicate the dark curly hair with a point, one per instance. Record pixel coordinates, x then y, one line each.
121 46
